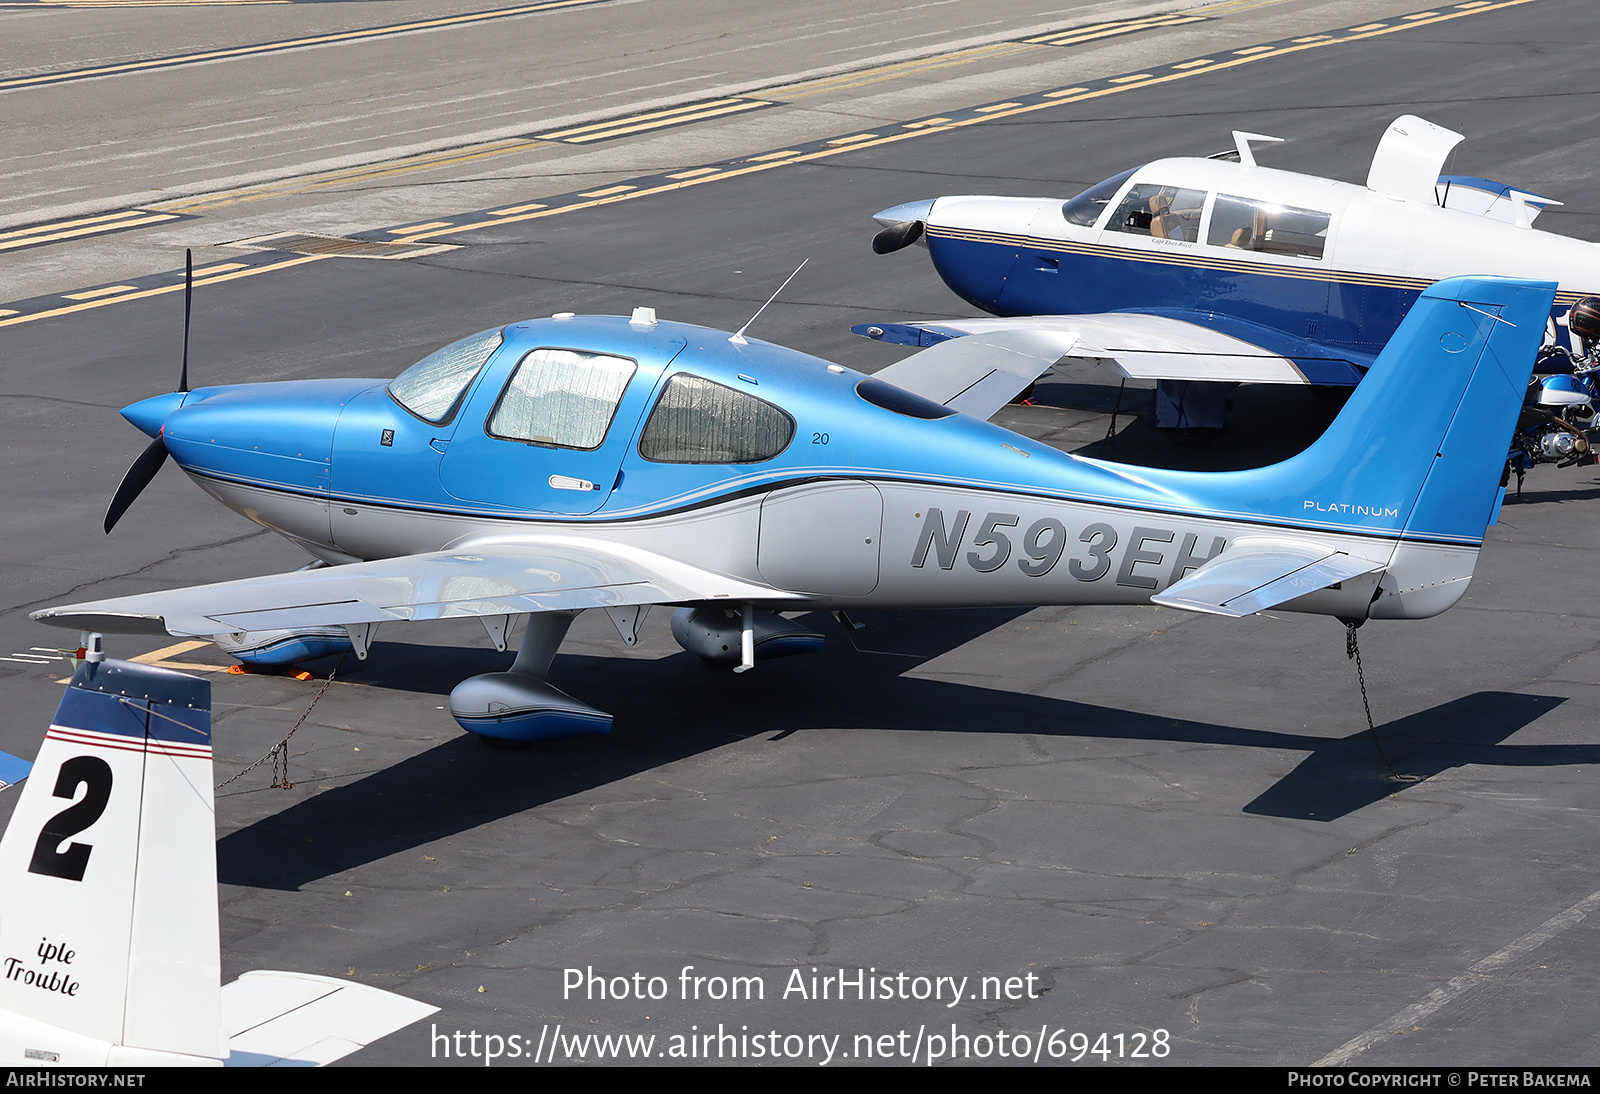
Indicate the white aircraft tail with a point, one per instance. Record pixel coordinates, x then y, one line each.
109 951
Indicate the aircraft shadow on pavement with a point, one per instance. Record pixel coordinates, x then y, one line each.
673 708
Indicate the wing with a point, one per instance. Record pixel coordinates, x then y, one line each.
551 573
967 361
1256 573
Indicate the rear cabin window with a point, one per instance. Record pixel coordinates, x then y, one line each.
564 398
697 421
1162 212
1268 228
1086 208
431 389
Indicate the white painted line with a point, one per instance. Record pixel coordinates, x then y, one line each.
1407 1019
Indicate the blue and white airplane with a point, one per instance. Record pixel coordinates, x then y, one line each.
108 900
1221 272
557 465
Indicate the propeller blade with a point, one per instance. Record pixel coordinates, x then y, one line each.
188 298
138 477
896 236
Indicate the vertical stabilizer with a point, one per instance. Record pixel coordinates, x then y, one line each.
1410 158
108 905
108 900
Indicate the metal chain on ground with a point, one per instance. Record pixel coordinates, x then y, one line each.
1352 651
279 753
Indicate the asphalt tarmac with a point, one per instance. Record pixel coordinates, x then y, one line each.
1170 834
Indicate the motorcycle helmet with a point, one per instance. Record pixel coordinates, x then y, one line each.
1584 320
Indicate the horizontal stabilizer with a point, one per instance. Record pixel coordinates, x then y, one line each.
1143 346
1254 574
551 573
288 1019
13 769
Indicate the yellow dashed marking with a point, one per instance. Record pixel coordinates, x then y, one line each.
702 175
222 268
516 209
420 228
1201 63
659 119
90 294
73 229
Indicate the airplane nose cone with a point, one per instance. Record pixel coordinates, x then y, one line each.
147 415
900 214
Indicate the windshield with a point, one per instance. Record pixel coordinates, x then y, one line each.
1085 208
432 387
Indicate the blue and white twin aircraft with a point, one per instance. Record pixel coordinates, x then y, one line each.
1223 271
562 464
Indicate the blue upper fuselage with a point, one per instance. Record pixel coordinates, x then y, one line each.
350 442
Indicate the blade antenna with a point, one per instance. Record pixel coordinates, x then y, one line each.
737 338
188 299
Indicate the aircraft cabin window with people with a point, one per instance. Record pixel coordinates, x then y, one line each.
1161 212
697 421
565 398
431 388
1267 227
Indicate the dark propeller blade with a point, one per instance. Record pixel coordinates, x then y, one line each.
188 297
138 477
892 238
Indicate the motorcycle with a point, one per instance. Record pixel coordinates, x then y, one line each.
1560 419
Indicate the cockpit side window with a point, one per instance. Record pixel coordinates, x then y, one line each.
1162 212
431 389
1085 209
564 398
697 421
1267 227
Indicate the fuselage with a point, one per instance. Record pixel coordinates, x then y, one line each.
843 492
1288 261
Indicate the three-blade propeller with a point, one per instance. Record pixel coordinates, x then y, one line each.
155 454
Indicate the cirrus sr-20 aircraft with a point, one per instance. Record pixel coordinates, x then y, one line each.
1202 273
556 465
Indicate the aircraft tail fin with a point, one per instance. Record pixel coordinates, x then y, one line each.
108 933
109 951
1419 449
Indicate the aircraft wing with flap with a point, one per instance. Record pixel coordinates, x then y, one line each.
548 573
967 363
1255 573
